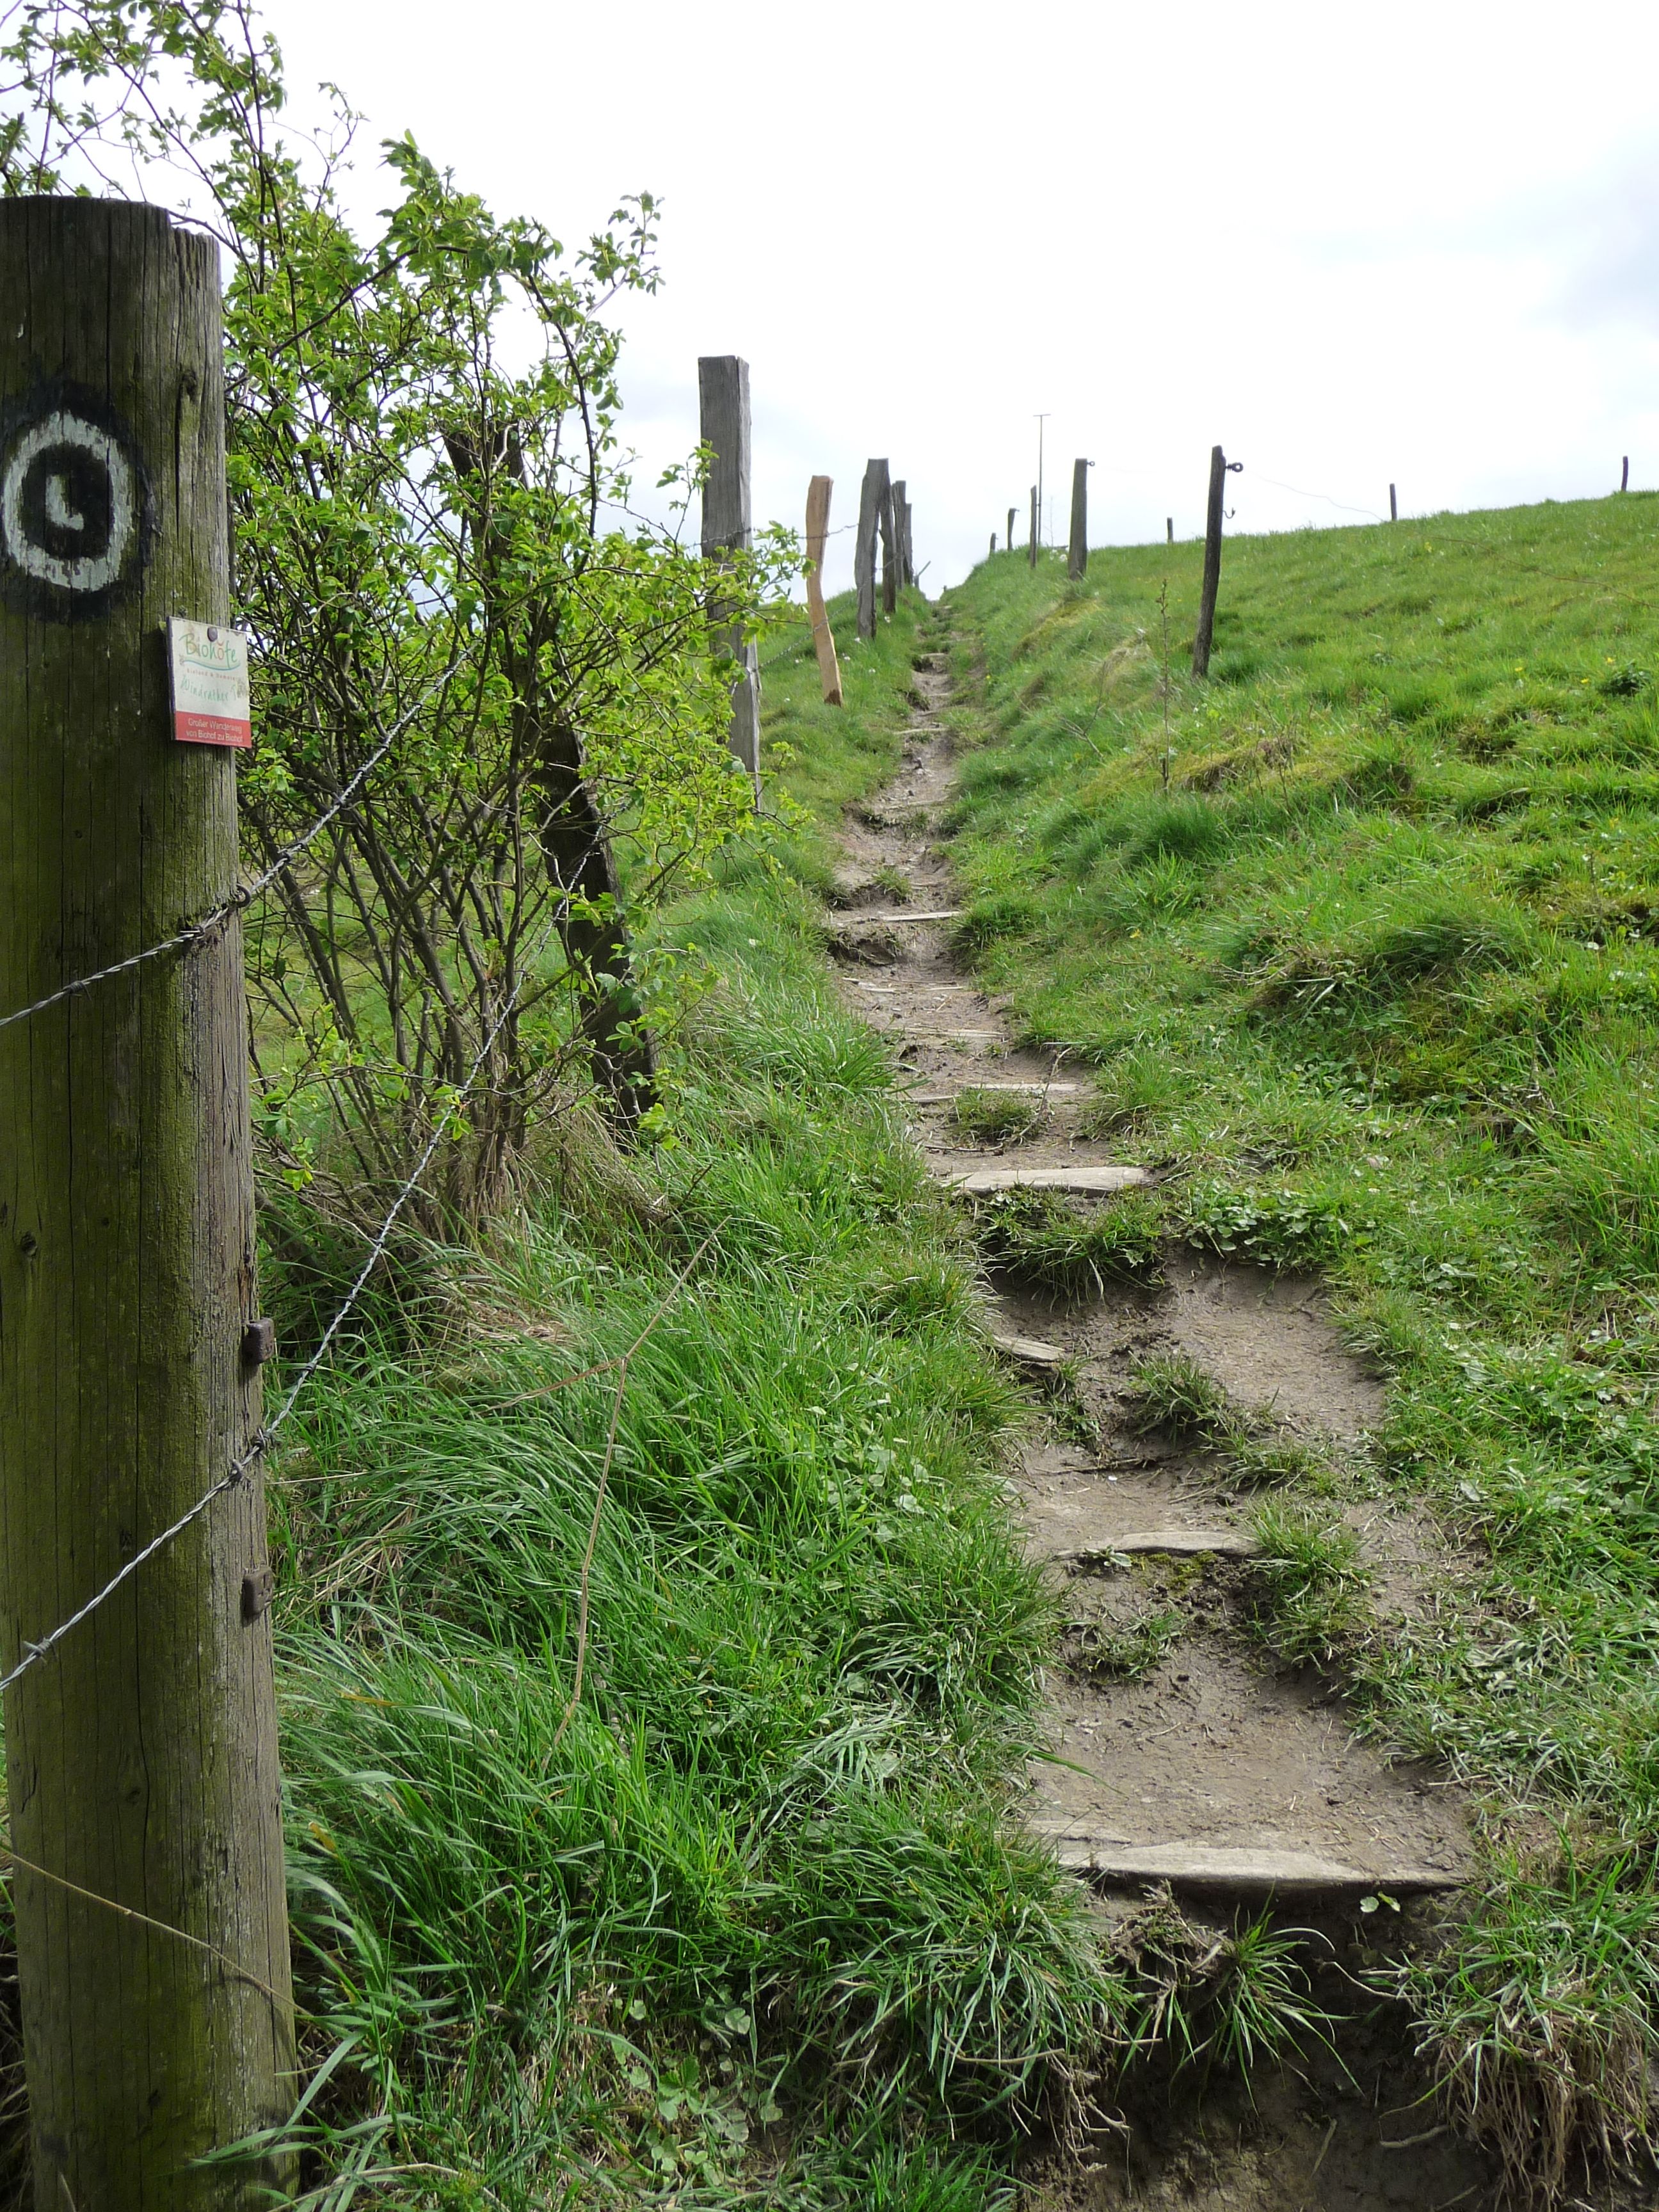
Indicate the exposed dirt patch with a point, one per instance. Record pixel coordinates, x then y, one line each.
1171 1733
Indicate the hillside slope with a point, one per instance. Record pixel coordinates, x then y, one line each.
1357 940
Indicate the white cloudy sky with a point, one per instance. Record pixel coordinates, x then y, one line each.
1410 241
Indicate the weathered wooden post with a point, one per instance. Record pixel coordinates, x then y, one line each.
1624 475
1031 543
141 1750
1077 552
1009 540
723 406
1169 530
872 494
1393 505
907 569
994 545
1211 585
889 570
818 530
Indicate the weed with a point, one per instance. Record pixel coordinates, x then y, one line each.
996 1117
1123 1655
1311 1589
1207 1996
1038 1238
1170 1392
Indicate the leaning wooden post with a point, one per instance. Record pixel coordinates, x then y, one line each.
1076 553
141 1750
871 492
1031 543
1211 585
818 530
723 398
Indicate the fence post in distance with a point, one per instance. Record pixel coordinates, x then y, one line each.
1203 633
723 422
1077 556
818 530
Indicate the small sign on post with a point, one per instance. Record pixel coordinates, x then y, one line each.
208 663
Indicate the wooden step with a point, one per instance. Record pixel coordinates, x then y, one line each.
979 1183
1030 1350
1223 1543
870 921
1246 1868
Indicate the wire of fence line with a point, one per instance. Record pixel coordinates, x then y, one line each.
197 932
268 1431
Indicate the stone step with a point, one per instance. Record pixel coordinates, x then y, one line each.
1221 1543
979 1183
1252 1869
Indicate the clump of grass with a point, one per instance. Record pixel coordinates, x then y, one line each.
1312 1591
1277 1463
1112 1653
1038 1238
996 1117
1170 1392
1541 2018
1237 1998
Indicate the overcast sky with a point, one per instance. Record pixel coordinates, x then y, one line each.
1352 243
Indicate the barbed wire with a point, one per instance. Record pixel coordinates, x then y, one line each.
196 932
266 1434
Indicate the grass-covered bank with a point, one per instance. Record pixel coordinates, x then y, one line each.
744 1926
1355 938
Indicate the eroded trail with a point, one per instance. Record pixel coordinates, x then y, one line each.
1180 1754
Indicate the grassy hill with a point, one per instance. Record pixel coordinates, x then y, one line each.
1359 938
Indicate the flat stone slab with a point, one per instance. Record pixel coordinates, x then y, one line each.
869 920
1029 1349
980 1181
1243 1867
1224 1543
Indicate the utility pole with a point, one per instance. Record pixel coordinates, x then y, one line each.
723 409
140 1749
1219 465
1077 554
1041 420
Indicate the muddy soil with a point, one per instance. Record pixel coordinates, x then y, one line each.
1240 1783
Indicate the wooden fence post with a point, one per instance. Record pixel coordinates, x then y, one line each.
1031 548
889 548
1624 475
1202 634
1077 553
1009 540
872 494
723 409
141 1750
901 538
1169 530
907 545
1393 505
994 545
817 529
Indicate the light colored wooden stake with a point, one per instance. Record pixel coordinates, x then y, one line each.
817 529
723 397
141 1750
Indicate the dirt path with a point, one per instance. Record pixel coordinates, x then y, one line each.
1180 1753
